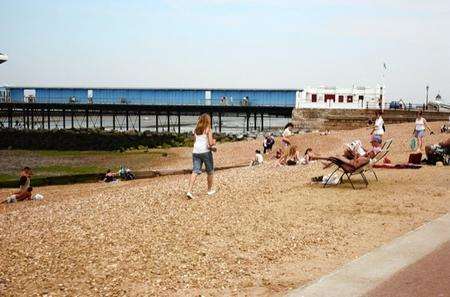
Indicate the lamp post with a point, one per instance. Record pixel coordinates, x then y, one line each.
426 100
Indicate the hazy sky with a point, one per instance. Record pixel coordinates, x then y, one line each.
229 43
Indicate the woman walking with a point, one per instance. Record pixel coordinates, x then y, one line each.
201 154
419 131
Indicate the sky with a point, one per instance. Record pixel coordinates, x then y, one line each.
229 43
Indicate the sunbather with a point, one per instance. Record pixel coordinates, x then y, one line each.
308 157
355 154
25 189
109 176
355 149
292 157
438 152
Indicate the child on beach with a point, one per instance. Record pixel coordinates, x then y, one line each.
109 176
202 154
258 160
268 143
308 157
25 188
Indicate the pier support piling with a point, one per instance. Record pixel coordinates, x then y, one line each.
247 126
179 122
64 118
32 118
48 119
10 118
87 118
168 122
262 122
24 119
139 120
100 113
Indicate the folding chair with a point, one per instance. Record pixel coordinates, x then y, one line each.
379 156
347 170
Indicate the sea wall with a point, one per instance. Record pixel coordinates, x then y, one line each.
347 119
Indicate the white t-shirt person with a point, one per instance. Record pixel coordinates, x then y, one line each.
379 126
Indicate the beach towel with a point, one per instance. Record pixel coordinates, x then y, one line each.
397 166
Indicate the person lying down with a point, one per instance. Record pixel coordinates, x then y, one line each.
355 155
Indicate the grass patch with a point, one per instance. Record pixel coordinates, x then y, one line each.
75 154
55 174
67 170
7 177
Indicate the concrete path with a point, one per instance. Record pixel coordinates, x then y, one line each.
428 277
380 271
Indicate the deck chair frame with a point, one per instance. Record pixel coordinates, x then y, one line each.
365 168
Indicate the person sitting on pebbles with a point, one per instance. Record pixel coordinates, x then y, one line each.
292 157
308 157
25 188
258 160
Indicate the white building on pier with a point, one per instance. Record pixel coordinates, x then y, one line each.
341 98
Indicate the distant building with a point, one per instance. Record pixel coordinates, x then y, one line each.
340 98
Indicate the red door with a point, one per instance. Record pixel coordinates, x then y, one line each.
329 97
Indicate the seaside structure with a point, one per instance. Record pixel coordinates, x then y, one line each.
340 98
152 96
322 97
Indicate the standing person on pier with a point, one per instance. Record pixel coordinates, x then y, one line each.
202 153
378 128
419 131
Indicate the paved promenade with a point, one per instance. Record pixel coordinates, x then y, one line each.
416 264
427 277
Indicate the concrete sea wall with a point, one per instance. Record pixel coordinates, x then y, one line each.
347 119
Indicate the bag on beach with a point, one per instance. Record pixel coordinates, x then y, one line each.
330 179
415 158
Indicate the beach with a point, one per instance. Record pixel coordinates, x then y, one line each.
266 231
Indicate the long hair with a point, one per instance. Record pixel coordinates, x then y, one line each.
289 125
203 122
292 151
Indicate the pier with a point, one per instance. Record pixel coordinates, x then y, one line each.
127 116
